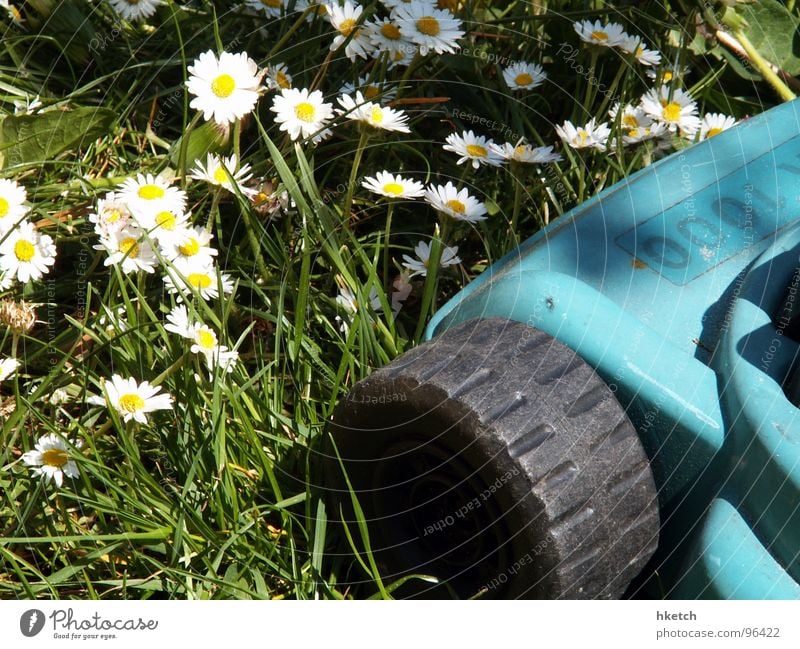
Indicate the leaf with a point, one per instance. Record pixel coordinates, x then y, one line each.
203 139
773 31
27 139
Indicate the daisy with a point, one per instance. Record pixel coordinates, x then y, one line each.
524 76
595 33
473 147
129 249
373 114
199 276
678 112
371 90
423 252
25 254
191 245
225 88
633 45
315 9
132 400
278 77
272 8
147 195
590 136
344 19
7 368
385 35
50 459
430 28
523 152
454 203
385 184
714 123
348 301
665 75
300 112
403 55
636 125
12 208
204 340
110 215
135 9
214 173
169 227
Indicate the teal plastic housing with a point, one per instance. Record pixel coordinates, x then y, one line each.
678 285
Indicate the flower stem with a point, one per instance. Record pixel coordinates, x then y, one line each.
185 147
763 67
432 276
351 183
386 280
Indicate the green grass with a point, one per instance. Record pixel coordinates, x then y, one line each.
222 496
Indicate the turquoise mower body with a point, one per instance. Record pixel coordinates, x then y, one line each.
680 287
610 410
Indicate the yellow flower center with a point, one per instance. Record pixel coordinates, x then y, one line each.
206 339
457 206
223 86
24 250
199 280
639 52
304 112
346 27
630 120
220 176
395 189
667 76
599 36
129 247
398 55
524 79
166 220
429 26
583 135
282 80
521 150
476 150
131 402
390 31
113 215
4 207
371 92
55 457
190 248
672 112
150 192
713 131
275 4
376 116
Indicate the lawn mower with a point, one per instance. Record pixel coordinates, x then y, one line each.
611 409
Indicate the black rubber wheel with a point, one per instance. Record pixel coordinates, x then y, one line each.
495 459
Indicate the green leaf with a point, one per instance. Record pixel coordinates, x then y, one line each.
203 139
28 139
773 31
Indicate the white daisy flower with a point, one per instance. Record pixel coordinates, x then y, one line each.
147 195
419 266
12 204
589 136
214 173
25 254
199 276
634 45
7 368
665 75
300 112
317 8
225 88
454 203
271 8
714 123
476 148
110 215
386 184
28 106
373 114
678 112
524 76
523 152
129 249
132 400
642 133
385 35
402 56
348 301
431 29
278 77
596 33
344 19
204 340
372 90
636 125
135 9
50 459
169 227
190 245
